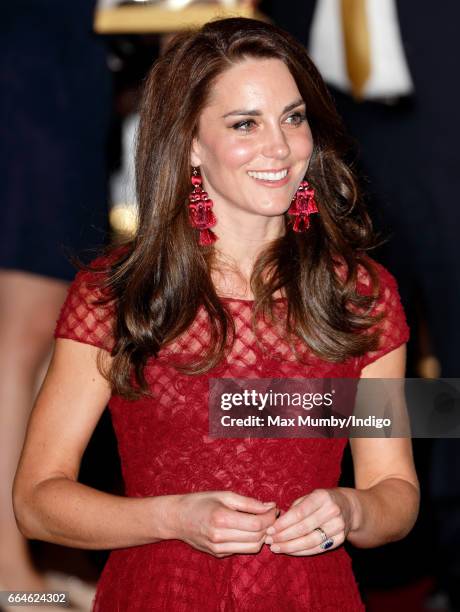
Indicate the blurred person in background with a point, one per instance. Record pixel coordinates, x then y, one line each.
55 105
391 67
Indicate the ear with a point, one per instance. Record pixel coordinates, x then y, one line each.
195 158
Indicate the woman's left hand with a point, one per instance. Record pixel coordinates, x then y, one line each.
296 531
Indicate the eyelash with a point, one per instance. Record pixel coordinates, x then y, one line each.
238 126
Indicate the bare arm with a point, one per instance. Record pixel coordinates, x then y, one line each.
49 502
383 506
51 505
385 502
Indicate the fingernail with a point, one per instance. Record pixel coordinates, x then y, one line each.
270 530
275 548
269 503
268 540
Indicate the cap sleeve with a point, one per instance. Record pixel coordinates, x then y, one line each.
393 327
81 318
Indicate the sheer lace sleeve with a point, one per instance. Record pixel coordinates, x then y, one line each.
393 328
81 318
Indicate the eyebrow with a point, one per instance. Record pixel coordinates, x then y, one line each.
255 112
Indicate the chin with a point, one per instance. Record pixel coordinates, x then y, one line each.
273 208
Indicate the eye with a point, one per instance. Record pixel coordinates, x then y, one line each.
296 118
244 126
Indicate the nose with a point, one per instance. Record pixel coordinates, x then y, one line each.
276 145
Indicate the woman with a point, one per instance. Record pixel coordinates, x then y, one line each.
55 114
234 118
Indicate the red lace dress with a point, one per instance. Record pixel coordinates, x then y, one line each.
165 449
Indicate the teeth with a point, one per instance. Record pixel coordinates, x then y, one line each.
269 176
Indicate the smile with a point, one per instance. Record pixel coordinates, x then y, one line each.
269 176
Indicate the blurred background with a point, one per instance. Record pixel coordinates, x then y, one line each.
71 78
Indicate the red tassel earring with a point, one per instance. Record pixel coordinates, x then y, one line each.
302 206
200 208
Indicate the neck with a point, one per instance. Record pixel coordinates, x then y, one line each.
240 241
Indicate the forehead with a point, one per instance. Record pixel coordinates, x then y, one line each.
254 84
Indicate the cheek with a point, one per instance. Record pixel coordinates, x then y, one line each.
233 153
303 146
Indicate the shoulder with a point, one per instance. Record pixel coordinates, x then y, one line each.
373 279
88 312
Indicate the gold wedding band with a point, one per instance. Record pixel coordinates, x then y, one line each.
323 534
326 542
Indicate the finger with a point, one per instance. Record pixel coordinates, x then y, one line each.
238 547
220 536
296 514
224 518
338 540
311 542
305 526
245 504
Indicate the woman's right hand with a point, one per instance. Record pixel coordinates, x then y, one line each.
223 523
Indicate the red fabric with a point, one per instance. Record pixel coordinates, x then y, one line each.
165 449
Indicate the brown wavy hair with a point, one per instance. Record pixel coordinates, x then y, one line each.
163 276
